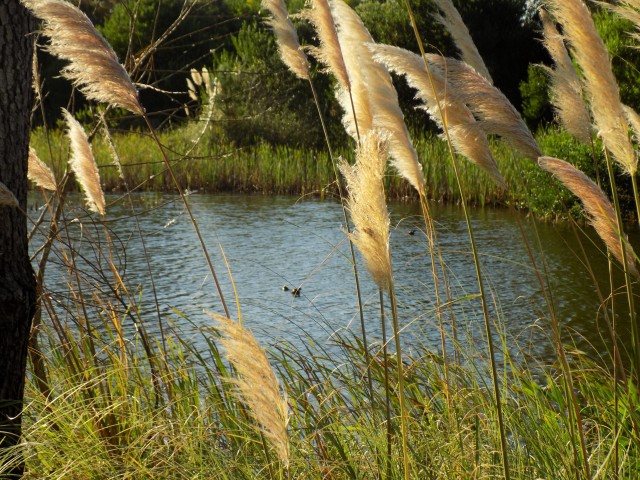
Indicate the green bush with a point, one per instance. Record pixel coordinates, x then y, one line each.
260 99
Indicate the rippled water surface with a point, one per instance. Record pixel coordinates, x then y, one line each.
270 242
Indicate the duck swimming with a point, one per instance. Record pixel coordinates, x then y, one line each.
296 292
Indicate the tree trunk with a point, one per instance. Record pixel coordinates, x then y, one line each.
17 283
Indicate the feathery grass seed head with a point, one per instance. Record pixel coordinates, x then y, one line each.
367 206
452 21
597 205
93 65
288 44
467 137
39 173
495 113
329 53
566 89
604 96
257 385
84 165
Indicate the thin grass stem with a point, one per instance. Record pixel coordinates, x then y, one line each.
485 311
205 251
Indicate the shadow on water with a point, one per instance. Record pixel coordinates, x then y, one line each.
276 242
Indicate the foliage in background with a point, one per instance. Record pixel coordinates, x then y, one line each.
260 99
622 47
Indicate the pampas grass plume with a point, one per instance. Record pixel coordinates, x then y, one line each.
257 385
287 38
597 205
329 52
591 54
453 22
495 113
367 206
93 65
466 135
39 173
372 87
566 88
84 165
7 198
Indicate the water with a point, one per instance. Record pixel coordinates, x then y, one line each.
270 242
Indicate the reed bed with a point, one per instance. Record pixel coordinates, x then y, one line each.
108 400
267 169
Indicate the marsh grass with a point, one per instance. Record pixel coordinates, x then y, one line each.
102 422
266 169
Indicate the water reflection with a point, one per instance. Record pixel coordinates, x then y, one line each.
271 242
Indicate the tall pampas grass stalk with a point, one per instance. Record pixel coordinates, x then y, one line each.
606 222
368 208
494 97
452 21
590 53
84 165
257 385
374 82
466 135
93 65
330 53
288 44
39 173
566 89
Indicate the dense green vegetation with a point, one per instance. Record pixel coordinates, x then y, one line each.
280 169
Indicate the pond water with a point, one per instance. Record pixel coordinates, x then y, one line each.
270 242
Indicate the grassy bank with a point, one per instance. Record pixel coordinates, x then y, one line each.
206 165
103 418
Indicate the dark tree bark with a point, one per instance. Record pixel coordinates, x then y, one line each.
17 283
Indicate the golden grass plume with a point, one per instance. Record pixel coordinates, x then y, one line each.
288 44
634 121
566 89
367 205
373 90
467 137
39 173
84 165
329 53
257 385
7 198
357 119
93 65
495 113
597 205
589 51
629 9
452 21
